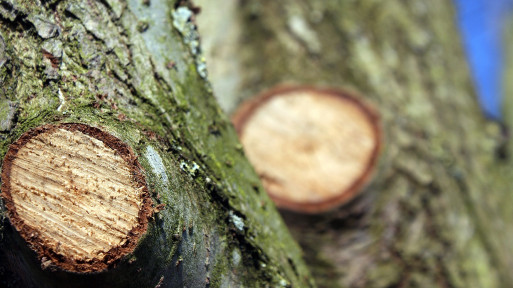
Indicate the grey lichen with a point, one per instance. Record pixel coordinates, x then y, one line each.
44 28
237 221
3 56
52 52
87 49
118 7
156 164
53 47
182 21
191 168
301 30
99 25
284 283
236 257
7 114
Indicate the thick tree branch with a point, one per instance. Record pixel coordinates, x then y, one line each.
134 70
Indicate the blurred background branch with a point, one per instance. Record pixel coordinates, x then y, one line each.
438 213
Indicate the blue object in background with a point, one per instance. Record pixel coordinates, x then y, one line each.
481 24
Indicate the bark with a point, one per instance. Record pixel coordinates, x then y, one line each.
437 213
135 70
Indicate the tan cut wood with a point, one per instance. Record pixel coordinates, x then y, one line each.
313 148
77 194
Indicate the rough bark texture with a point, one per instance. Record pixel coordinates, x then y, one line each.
438 213
134 69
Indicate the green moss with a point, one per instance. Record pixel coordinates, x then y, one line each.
114 77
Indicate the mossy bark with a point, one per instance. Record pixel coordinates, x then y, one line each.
438 211
134 69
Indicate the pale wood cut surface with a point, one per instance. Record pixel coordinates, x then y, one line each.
77 192
309 147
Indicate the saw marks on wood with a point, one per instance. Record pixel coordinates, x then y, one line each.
75 196
312 148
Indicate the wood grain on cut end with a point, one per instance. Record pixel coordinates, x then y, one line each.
76 194
313 149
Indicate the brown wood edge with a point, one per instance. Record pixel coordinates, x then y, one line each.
247 108
31 236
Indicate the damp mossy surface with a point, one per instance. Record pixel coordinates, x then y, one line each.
135 70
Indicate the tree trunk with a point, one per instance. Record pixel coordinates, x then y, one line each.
130 77
437 213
